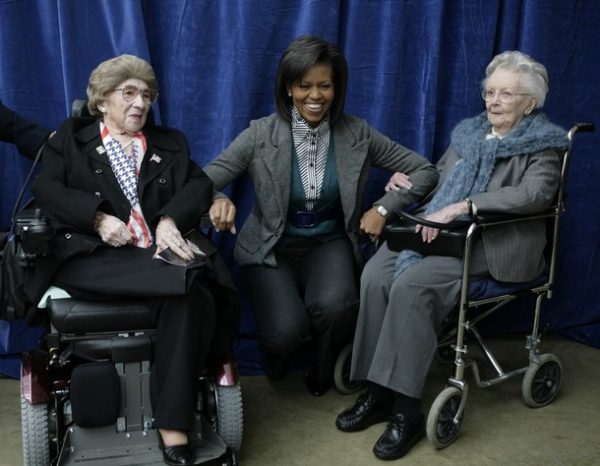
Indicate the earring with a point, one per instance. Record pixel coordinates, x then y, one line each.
101 109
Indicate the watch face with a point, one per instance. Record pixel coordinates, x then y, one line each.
382 210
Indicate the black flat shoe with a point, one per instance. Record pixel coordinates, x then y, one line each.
367 410
176 455
316 388
399 437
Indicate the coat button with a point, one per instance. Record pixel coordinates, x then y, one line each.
98 194
67 235
98 171
162 181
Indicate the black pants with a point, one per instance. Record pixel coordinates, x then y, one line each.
185 330
310 296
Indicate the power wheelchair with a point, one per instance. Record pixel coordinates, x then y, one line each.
481 297
85 391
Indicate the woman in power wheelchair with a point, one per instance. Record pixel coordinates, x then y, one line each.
503 160
118 191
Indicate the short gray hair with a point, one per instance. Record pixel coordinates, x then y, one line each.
110 73
534 77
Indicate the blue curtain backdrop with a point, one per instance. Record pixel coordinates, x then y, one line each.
415 70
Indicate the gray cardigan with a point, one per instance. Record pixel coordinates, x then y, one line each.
264 150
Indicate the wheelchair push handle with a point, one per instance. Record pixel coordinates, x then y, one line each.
584 127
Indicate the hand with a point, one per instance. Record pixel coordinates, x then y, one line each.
445 215
397 181
169 236
372 223
222 214
112 230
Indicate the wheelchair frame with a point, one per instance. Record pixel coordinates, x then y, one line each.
542 375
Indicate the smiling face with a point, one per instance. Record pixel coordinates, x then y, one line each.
313 94
123 116
504 115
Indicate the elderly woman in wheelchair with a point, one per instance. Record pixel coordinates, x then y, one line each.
118 191
505 160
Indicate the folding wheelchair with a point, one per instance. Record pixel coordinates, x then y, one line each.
481 297
85 392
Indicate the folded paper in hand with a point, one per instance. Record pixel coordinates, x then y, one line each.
201 246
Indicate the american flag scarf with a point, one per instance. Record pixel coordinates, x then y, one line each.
125 168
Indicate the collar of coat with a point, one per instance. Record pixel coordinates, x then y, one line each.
86 129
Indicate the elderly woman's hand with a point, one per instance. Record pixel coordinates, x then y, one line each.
169 236
397 181
112 230
222 214
445 215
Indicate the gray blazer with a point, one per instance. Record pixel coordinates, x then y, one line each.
264 150
524 184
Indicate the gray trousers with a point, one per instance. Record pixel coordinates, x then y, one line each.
398 321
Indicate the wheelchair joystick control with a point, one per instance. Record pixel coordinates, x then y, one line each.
36 235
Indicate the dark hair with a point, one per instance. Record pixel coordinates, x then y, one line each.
301 55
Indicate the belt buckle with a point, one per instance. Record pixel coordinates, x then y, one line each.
305 219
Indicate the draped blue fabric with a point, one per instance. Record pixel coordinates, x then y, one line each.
415 68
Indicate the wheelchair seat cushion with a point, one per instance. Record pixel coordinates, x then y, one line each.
76 316
488 287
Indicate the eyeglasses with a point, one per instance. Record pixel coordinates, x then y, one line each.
129 93
503 96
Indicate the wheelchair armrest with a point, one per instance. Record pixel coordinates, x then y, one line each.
454 225
448 243
489 220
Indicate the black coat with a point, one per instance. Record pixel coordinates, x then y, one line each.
26 135
77 181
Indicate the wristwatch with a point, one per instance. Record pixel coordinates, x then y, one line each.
382 211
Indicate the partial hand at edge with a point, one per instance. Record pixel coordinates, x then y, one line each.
398 181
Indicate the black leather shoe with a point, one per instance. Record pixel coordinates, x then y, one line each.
399 436
367 410
176 455
314 387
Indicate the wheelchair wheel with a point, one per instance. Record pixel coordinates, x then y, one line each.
542 381
229 458
341 373
230 415
442 429
35 433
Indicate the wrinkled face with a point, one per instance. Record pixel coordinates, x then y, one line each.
313 94
506 103
126 111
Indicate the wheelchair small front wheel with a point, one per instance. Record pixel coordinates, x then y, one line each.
442 427
230 416
341 373
542 381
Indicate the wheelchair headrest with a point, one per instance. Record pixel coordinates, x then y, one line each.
79 108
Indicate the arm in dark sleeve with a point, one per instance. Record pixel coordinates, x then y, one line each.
52 192
392 156
26 135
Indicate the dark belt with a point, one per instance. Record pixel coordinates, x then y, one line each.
310 218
